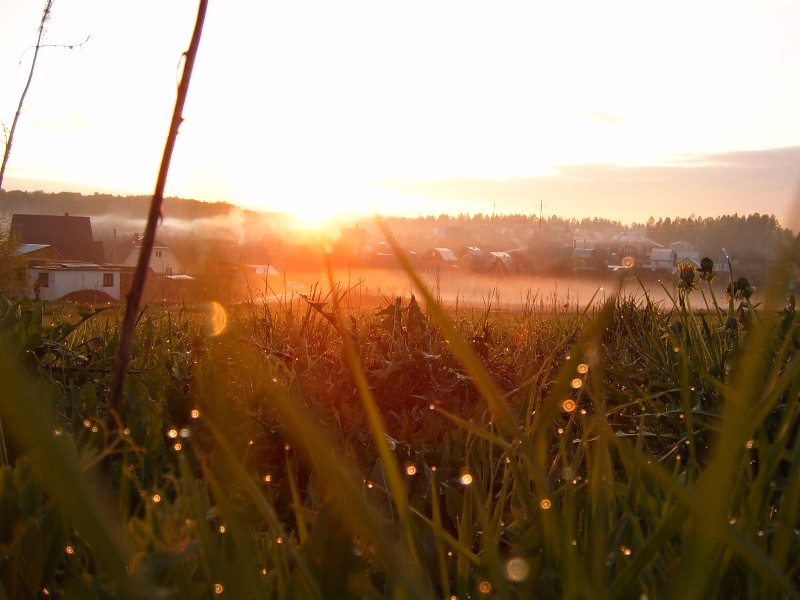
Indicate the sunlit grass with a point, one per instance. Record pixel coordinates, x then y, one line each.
310 448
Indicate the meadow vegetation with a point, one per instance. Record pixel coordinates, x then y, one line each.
634 449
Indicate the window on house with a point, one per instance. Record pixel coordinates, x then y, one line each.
43 280
108 280
158 253
168 270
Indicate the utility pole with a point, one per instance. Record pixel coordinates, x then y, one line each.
541 207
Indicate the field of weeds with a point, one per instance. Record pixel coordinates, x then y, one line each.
292 449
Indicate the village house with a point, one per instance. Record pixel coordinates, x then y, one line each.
439 256
61 280
661 260
685 252
162 259
71 237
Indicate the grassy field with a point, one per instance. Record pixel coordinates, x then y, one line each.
309 447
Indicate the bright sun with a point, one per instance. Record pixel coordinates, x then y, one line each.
314 206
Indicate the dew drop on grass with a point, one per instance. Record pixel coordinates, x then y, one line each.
576 383
545 504
185 432
625 550
749 444
465 479
517 569
69 550
484 587
195 414
287 447
583 368
267 478
156 498
568 405
279 540
178 447
57 432
222 528
94 429
218 588
87 423
126 431
432 406
172 433
583 411
411 470
264 571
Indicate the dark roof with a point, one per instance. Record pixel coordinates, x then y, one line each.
70 236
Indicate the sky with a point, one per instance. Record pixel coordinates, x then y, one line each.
617 109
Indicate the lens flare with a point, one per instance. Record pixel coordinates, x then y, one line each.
517 569
217 318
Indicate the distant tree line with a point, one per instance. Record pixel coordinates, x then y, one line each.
749 237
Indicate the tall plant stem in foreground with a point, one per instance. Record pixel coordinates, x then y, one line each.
137 286
48 5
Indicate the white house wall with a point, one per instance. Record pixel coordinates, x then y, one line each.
167 263
62 282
